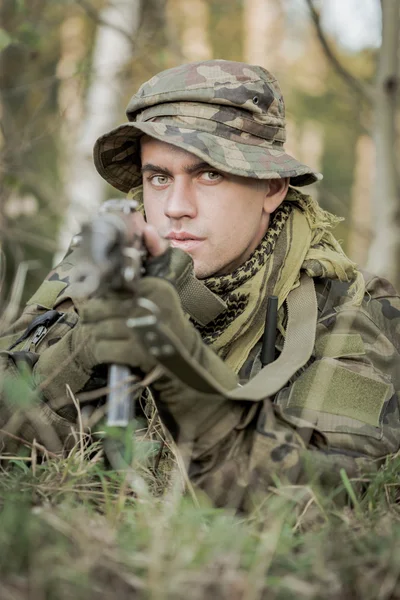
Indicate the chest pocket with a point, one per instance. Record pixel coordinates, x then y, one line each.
341 395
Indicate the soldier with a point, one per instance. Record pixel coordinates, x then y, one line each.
225 229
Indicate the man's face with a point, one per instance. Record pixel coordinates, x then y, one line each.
218 218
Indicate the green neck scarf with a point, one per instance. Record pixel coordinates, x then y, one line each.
298 239
231 287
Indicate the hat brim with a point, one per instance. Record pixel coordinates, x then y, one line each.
117 155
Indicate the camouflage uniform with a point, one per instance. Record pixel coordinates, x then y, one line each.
340 410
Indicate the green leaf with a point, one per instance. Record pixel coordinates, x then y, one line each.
5 39
19 390
350 490
28 35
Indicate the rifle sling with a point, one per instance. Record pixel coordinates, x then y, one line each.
198 301
300 337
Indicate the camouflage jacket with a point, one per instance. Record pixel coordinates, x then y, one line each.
339 411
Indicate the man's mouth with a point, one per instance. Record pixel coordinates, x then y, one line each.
185 241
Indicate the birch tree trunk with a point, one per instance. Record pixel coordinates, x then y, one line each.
384 253
84 188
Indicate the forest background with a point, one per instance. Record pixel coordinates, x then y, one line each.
68 69
71 528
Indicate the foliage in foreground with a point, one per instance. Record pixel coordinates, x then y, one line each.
72 528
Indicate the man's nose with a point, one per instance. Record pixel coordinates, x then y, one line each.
180 201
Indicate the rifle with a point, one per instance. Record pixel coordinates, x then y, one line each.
112 259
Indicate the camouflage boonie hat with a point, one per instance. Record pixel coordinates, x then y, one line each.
229 114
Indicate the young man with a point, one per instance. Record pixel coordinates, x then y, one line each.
203 153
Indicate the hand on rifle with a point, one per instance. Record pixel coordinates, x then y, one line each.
105 334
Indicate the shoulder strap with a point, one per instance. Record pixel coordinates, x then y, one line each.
198 301
298 347
299 344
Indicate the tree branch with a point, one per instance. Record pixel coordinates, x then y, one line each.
94 15
96 18
363 89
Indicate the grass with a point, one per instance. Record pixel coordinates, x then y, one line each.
72 528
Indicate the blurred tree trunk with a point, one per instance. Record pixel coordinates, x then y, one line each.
311 150
74 46
195 42
384 254
84 188
263 33
359 239
173 36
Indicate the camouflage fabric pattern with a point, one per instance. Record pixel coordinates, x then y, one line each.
314 427
227 113
341 411
50 424
351 390
52 419
240 470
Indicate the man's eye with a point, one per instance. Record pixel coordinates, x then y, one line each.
159 180
211 175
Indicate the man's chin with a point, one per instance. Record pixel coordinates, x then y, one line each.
202 271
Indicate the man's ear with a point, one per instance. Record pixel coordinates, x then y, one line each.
275 194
